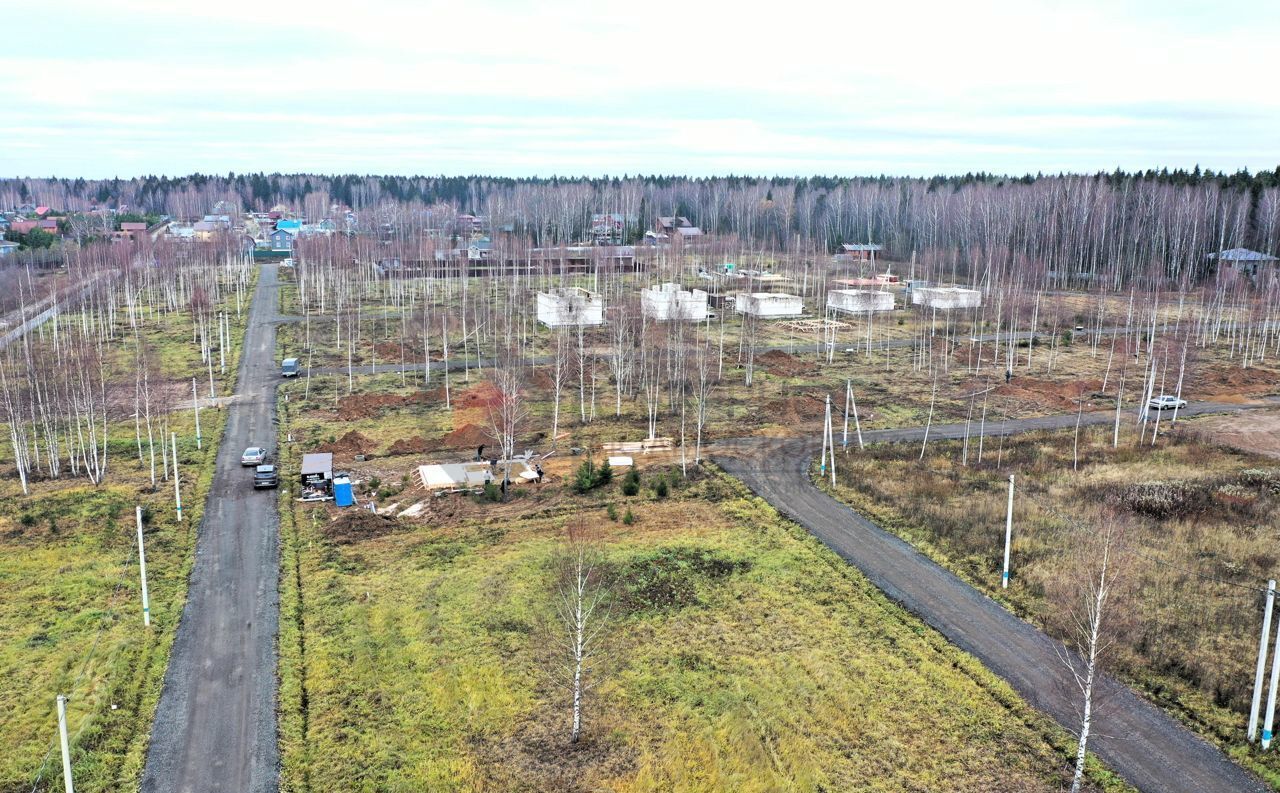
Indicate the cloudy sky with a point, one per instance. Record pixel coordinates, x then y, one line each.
100 88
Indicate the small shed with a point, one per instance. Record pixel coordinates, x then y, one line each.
456 476
570 306
317 469
769 305
671 301
946 297
859 301
1243 260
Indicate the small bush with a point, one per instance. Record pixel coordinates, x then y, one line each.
630 488
660 488
588 477
612 512
491 492
628 518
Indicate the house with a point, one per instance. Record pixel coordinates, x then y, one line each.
48 225
769 305
669 301
668 225
42 211
570 306
204 229
945 297
7 248
133 230
859 301
323 228
479 250
609 228
688 233
4 224
1243 260
282 239
858 252
289 225
26 209
23 226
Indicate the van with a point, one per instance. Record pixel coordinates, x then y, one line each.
289 367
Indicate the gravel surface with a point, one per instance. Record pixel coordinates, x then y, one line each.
1136 739
215 725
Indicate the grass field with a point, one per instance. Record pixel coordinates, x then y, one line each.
742 656
70 606
1202 525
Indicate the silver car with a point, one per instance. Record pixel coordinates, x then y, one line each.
254 455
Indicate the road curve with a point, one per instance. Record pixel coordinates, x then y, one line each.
215 725
1136 739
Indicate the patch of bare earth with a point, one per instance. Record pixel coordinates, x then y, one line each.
1251 431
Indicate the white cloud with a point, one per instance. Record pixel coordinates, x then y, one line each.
573 86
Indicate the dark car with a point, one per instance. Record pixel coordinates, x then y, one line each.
265 476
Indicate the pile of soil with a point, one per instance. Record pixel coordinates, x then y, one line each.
354 525
415 445
468 436
363 406
354 442
390 351
1062 395
784 364
1229 380
483 395
798 409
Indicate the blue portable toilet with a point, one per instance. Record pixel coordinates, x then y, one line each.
343 495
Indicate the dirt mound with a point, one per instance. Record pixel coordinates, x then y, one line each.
354 442
357 525
784 364
468 436
1216 381
483 395
390 351
1058 394
795 409
415 445
363 406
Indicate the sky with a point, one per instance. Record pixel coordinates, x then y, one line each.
102 88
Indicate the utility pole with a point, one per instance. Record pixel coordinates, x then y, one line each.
1271 702
177 494
195 400
142 570
1262 660
826 422
224 335
831 441
1008 536
66 745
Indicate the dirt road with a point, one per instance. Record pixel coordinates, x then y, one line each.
1136 739
215 726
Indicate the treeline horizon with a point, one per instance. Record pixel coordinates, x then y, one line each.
1112 226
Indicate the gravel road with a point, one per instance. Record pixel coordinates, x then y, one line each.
215 725
1136 739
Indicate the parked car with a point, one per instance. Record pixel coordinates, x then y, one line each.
1166 402
265 476
254 455
289 367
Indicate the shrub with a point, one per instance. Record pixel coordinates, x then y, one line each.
660 488
628 518
612 512
630 488
589 477
491 492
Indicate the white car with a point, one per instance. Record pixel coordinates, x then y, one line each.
254 455
1166 402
